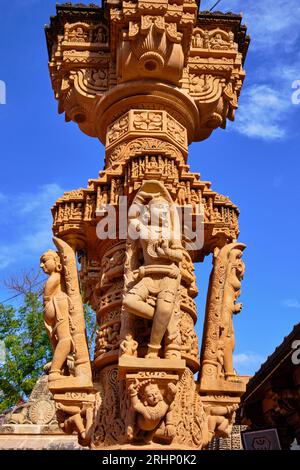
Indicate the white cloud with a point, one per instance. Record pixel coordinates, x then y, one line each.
261 113
27 203
247 363
270 23
247 358
4 259
291 303
265 107
27 218
289 73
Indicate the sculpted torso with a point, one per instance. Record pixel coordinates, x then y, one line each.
51 289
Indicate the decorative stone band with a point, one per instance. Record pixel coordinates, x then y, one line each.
138 122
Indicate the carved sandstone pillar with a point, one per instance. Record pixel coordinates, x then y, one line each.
147 79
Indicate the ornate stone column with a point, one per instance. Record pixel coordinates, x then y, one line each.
148 78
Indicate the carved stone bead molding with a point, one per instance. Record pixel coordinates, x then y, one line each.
136 123
101 59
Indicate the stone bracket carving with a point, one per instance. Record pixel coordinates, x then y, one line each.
75 412
64 320
151 386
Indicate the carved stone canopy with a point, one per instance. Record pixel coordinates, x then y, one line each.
192 63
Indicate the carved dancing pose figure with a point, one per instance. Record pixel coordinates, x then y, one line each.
156 283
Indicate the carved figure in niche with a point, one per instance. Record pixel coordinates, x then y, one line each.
77 213
115 191
112 268
135 169
152 164
152 409
206 39
220 420
129 346
194 201
63 314
217 215
113 336
197 40
154 286
100 35
102 199
101 343
181 195
189 340
89 207
78 35
67 212
236 271
99 78
206 209
217 42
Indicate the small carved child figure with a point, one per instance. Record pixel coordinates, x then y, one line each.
56 313
152 410
220 420
77 418
129 346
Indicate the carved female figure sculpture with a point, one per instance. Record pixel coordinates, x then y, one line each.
224 290
230 307
156 282
63 315
56 313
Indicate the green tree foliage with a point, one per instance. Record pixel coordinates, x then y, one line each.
91 327
27 347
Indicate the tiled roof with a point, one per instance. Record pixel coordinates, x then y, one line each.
281 353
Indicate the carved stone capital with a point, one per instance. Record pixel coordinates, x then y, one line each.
98 63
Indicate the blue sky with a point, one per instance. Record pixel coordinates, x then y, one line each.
255 161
